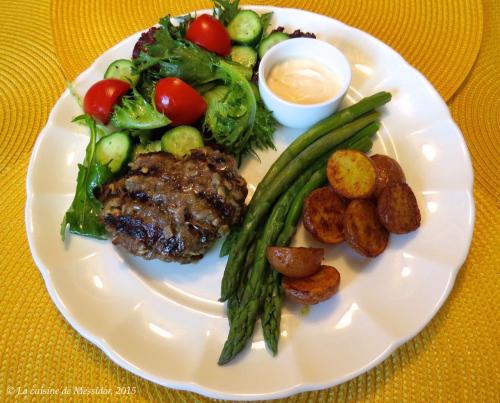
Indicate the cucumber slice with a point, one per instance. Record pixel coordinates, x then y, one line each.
122 69
244 55
152 147
113 150
245 27
268 42
181 140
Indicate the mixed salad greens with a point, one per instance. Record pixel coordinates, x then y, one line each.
190 82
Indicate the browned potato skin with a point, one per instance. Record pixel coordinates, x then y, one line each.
363 230
397 209
324 215
388 172
351 174
313 289
295 262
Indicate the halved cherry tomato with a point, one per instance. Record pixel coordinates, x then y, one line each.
102 97
179 101
209 33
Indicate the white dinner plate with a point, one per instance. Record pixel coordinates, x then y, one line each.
164 322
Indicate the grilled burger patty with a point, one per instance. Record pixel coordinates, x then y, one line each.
174 209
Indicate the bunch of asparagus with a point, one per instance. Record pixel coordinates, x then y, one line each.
249 285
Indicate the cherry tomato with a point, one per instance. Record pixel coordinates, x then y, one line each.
102 97
209 33
179 101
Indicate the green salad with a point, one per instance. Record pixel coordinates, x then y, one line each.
190 82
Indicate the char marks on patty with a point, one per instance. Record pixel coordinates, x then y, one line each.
174 209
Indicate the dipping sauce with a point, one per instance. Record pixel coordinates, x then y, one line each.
302 81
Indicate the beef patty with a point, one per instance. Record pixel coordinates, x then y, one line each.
174 209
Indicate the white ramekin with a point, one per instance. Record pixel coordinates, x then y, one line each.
301 115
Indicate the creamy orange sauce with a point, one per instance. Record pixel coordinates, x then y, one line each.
302 81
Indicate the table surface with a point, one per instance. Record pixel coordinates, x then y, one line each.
455 43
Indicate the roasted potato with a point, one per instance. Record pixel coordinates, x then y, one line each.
388 171
324 215
397 209
314 288
295 262
363 230
351 174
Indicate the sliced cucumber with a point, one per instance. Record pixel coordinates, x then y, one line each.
181 140
268 42
113 150
122 69
152 147
245 27
244 55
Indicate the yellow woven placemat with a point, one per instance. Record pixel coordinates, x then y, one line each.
455 358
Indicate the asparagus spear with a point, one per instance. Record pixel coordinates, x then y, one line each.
271 316
225 249
244 316
234 301
271 191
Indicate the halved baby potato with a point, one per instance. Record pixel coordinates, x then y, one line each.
363 230
295 261
397 209
314 288
324 215
388 172
351 174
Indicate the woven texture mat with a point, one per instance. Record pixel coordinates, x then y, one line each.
454 43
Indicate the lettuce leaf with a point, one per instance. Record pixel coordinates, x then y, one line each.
134 112
83 215
225 10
